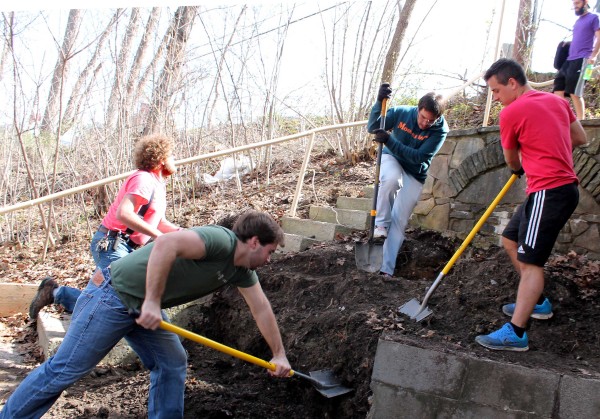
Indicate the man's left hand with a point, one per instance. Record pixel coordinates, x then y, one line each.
381 136
282 367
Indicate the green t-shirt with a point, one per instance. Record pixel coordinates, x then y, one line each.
189 279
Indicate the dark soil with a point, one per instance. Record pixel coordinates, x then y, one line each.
332 315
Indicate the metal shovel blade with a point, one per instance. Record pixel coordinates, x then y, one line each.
326 383
369 256
413 309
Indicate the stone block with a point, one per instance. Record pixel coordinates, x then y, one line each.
296 243
578 398
362 204
437 219
510 387
353 218
424 207
418 370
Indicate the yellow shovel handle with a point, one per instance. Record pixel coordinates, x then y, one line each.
481 221
218 346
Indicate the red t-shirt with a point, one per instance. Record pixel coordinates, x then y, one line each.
538 124
140 183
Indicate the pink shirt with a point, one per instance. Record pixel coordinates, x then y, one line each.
140 183
538 125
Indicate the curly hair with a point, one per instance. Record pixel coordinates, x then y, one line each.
254 223
152 150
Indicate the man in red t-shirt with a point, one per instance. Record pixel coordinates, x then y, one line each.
136 216
538 131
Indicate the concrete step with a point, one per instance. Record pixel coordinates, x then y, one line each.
368 191
360 204
351 218
297 243
317 230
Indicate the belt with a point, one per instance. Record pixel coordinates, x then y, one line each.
133 244
110 233
117 233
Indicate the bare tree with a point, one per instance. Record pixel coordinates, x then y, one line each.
391 58
117 94
131 93
527 24
92 68
179 31
61 70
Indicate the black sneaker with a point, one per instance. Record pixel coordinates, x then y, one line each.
43 297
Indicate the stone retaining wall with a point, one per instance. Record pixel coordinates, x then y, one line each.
469 172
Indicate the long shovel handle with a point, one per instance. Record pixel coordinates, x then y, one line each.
464 245
480 223
218 346
237 354
377 169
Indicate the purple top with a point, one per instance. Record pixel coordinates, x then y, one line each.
583 36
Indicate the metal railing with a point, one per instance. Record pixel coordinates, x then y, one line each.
312 133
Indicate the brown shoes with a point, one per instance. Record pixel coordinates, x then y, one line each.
43 297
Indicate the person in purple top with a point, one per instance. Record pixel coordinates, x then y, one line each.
583 51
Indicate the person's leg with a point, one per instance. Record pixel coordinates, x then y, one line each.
531 286
100 320
510 247
164 356
390 174
579 106
575 85
66 297
406 199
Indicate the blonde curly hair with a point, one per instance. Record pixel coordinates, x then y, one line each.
152 150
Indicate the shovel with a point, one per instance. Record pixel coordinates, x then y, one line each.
419 311
369 255
323 380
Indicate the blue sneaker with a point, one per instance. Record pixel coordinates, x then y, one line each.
541 311
504 339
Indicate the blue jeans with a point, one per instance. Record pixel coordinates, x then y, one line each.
398 195
67 296
99 321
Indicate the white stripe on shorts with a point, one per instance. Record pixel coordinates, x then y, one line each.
579 88
534 220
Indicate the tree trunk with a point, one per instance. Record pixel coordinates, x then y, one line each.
179 32
117 95
49 121
391 58
131 94
525 33
76 96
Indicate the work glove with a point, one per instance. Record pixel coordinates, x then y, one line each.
519 172
381 136
385 92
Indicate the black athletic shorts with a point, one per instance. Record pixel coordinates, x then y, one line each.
569 78
536 223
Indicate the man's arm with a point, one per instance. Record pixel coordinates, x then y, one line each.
165 226
578 135
592 58
127 215
512 159
185 244
267 324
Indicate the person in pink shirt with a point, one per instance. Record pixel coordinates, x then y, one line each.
538 131
136 216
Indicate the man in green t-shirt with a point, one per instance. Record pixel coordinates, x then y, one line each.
177 268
